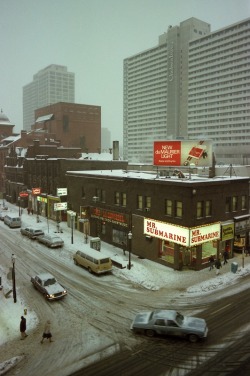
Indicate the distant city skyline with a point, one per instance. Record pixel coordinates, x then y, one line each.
91 38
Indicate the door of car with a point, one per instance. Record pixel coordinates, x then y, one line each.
173 329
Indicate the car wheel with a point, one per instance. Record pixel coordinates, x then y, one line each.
193 338
89 269
150 333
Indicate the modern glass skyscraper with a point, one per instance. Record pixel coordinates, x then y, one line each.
50 85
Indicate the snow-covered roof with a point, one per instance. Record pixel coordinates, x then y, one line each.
97 156
132 174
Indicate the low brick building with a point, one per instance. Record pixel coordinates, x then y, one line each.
178 222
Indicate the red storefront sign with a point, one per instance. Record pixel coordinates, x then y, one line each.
23 194
36 191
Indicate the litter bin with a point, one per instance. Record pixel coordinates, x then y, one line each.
234 267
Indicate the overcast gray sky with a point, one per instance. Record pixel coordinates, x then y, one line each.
91 37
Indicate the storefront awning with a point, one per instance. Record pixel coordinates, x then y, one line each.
242 217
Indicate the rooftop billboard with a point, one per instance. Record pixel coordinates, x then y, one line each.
183 153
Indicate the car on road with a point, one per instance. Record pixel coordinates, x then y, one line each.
169 322
51 241
3 214
31 232
47 284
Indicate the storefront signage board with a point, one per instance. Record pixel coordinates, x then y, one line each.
227 231
166 231
188 237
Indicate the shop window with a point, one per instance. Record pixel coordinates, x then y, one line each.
117 198
178 209
119 237
228 204
169 207
208 249
139 202
167 251
208 208
148 202
103 228
235 203
124 199
244 202
199 209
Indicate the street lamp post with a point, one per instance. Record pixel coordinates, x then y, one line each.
129 249
19 203
13 259
72 222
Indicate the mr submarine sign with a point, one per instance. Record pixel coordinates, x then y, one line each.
185 236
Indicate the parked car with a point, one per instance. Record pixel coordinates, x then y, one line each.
47 284
31 232
169 322
3 214
51 241
12 220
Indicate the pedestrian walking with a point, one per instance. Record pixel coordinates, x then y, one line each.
225 256
218 266
47 332
23 328
211 262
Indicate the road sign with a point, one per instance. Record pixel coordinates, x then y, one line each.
60 206
23 194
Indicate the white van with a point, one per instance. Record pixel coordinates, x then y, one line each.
94 261
12 220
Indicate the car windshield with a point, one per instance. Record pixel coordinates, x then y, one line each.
50 281
179 318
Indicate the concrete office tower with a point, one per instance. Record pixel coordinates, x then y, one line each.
50 85
155 91
219 91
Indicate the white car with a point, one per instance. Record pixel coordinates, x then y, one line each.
51 241
47 284
169 322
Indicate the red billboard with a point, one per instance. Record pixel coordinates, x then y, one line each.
182 153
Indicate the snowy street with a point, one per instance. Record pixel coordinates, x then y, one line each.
94 319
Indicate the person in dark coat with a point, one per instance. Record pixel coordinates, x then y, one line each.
211 262
23 327
225 256
218 266
47 332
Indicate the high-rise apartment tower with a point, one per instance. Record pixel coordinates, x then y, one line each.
50 85
219 91
195 84
155 91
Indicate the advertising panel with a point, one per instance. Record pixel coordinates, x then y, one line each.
203 234
188 237
227 231
61 206
166 231
183 153
62 192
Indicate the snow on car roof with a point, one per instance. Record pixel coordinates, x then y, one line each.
44 276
